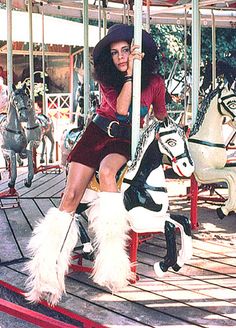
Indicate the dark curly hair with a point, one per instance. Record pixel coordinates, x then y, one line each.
107 74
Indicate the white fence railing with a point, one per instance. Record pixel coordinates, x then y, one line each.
59 108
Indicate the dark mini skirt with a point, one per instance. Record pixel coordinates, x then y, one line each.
95 144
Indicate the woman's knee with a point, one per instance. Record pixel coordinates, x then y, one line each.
106 173
71 195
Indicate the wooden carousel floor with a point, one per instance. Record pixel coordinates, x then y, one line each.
201 294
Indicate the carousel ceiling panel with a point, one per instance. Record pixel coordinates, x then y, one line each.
162 11
55 29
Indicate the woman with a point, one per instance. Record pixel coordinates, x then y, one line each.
105 145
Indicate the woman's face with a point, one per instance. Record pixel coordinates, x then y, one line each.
120 51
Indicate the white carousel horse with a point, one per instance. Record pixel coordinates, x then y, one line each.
142 205
206 143
13 135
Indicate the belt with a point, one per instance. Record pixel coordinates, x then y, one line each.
113 128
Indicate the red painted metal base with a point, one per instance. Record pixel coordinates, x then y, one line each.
195 195
40 319
136 239
10 194
48 168
45 168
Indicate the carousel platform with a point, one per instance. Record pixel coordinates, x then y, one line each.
201 294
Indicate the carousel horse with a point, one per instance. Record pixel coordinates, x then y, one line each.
45 122
13 135
47 128
141 204
206 143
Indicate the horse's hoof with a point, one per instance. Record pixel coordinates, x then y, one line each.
50 161
41 161
220 213
176 267
158 270
28 184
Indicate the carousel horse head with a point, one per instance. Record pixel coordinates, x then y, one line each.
227 102
207 144
20 99
173 143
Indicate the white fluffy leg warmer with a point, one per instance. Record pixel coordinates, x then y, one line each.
50 248
112 268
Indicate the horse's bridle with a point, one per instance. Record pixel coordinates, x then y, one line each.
173 158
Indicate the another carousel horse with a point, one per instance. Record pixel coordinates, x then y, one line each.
47 127
13 136
142 204
207 147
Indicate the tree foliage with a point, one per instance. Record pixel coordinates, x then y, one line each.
170 40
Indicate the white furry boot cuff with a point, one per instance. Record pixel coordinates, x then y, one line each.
50 247
110 226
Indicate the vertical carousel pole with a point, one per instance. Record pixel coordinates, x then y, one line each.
148 17
185 67
43 62
195 57
195 92
213 49
86 59
9 46
136 77
31 56
99 20
99 33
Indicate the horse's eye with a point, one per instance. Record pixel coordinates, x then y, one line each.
232 105
171 142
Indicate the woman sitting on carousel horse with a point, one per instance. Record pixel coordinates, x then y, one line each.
106 146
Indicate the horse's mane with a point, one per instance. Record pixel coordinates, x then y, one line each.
203 109
142 142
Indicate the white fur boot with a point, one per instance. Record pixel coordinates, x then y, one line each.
50 248
112 268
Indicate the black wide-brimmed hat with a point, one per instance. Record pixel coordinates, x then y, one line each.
123 32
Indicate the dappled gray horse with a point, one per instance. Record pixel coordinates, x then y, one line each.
13 135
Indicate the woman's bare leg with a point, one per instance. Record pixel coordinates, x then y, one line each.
78 179
108 169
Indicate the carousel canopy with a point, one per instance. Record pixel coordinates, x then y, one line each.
162 11
56 30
